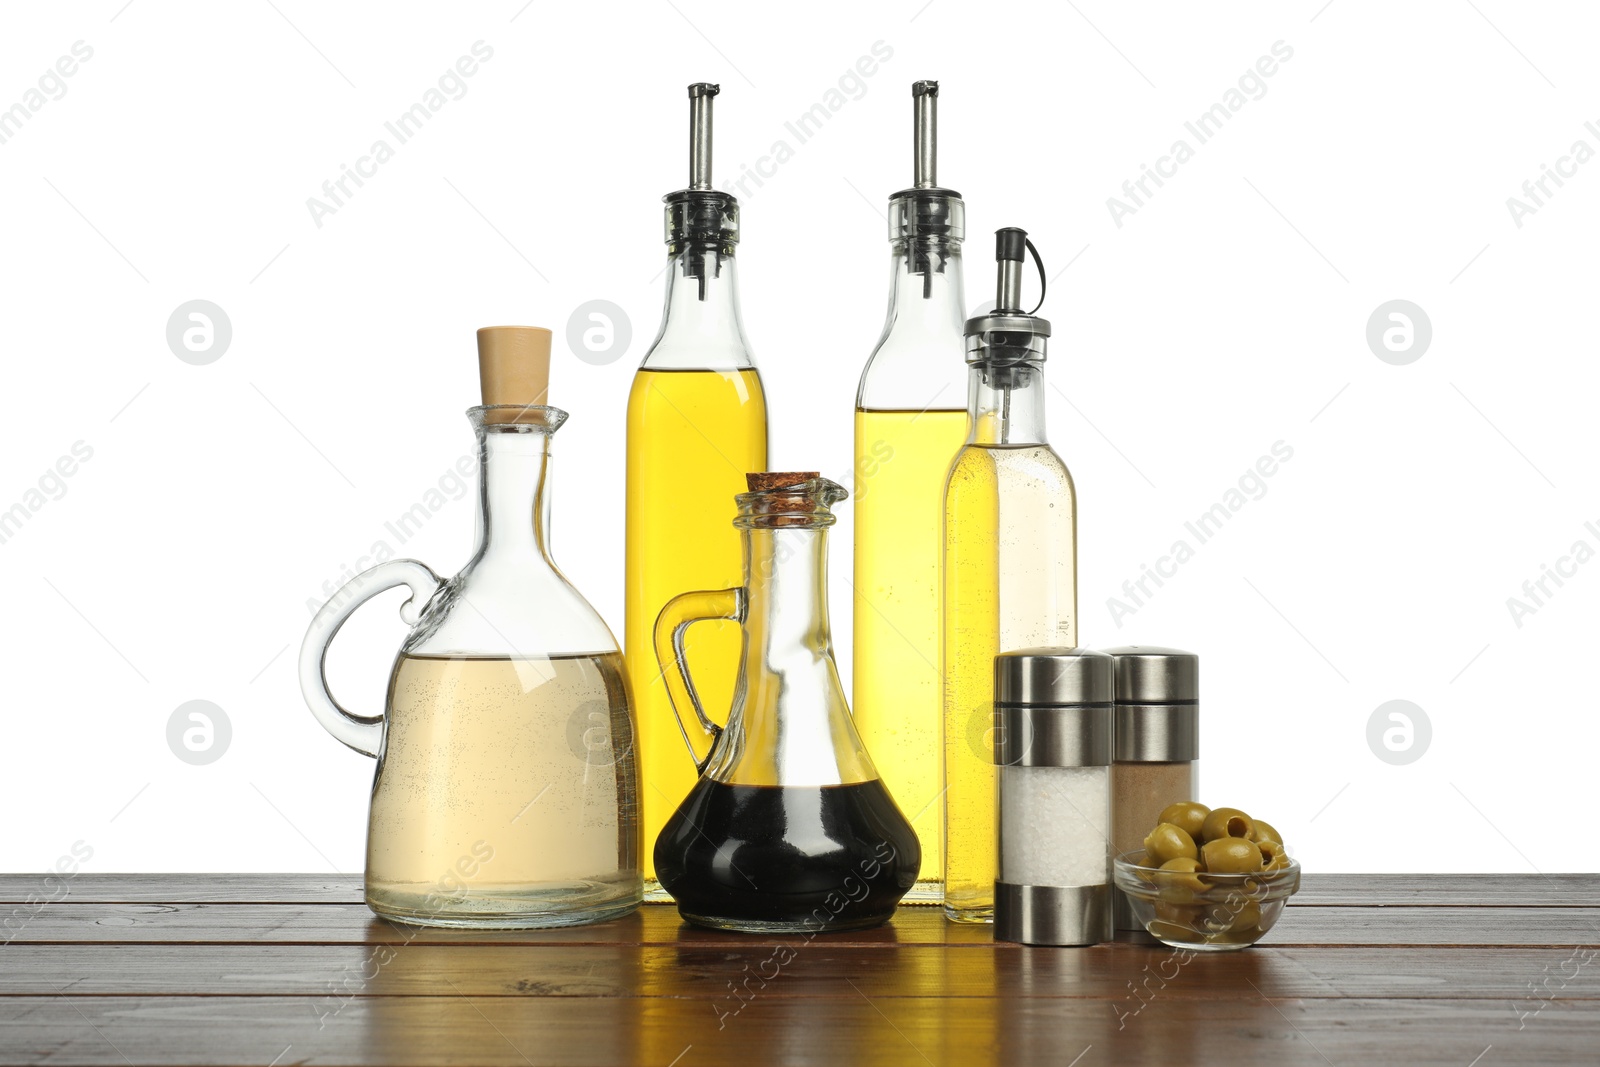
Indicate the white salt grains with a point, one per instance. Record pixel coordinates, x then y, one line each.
1055 825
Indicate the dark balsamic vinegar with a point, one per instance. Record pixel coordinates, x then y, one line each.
787 858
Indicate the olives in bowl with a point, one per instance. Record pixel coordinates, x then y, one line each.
1208 879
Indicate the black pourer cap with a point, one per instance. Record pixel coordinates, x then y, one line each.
1011 243
1009 335
1010 249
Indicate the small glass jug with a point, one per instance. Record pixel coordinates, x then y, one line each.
506 787
789 828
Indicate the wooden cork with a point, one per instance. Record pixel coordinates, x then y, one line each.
514 367
763 481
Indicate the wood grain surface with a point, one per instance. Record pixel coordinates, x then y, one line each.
1465 970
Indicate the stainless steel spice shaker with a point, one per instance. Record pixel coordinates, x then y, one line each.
1053 746
1157 739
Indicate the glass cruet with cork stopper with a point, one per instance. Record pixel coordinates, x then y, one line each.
1010 564
911 420
697 421
506 792
789 828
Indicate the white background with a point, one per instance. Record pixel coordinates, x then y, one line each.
1227 314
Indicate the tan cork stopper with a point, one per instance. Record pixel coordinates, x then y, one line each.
514 367
764 481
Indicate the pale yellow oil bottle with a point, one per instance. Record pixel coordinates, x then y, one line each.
1010 574
1010 529
902 460
692 437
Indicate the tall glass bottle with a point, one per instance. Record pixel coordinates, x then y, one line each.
1010 566
697 422
910 423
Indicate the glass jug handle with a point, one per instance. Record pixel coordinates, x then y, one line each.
679 613
364 733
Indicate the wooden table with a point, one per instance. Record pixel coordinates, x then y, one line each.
1463 970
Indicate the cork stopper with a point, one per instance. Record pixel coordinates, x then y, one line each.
514 367
787 498
766 481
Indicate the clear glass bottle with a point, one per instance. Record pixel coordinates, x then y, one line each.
1010 567
911 420
789 829
697 422
506 788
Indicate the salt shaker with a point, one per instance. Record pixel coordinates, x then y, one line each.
1053 746
1157 740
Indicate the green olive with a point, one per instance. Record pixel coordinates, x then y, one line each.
1273 857
1186 815
1180 881
1172 932
1176 894
1231 855
1236 935
1187 917
1181 872
1265 831
1169 842
1223 918
1226 822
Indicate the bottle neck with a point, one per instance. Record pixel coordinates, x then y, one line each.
1005 405
791 724
513 496
786 574
911 367
701 327
925 292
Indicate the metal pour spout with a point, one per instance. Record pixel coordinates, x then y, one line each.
702 223
700 94
925 135
929 218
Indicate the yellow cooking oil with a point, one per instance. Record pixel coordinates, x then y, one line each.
1010 581
692 437
902 461
971 639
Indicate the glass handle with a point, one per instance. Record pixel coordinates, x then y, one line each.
364 733
679 613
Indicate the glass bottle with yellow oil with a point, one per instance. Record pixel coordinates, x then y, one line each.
911 420
697 424
1010 565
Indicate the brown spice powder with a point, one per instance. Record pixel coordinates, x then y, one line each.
1139 791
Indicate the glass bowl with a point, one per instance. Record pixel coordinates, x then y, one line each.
1205 912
